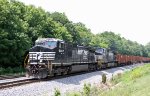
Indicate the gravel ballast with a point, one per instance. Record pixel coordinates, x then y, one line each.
47 88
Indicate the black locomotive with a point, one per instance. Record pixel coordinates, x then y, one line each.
52 56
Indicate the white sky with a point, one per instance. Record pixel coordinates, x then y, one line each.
130 18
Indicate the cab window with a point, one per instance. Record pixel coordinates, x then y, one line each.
61 45
51 44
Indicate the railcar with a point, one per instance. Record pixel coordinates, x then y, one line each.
129 59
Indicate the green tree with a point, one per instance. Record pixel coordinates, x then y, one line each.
13 40
84 34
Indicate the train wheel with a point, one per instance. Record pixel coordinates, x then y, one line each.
62 73
96 67
55 74
27 74
89 67
69 70
42 73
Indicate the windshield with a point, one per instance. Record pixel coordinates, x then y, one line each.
100 51
49 44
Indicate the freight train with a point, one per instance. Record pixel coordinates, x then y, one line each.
51 57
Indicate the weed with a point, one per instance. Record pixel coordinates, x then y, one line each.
73 94
57 92
87 89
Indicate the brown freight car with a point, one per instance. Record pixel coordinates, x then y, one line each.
128 59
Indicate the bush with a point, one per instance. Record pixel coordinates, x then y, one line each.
1 70
104 78
9 70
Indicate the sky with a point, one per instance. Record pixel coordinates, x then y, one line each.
129 18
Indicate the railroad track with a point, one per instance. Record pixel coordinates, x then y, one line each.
28 81
3 77
17 83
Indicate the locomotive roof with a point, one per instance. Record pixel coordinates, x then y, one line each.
47 39
87 47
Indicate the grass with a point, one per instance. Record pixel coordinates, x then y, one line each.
133 74
131 83
12 71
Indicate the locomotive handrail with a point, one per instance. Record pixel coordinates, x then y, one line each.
25 64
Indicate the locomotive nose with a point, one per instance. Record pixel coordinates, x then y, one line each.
40 54
37 57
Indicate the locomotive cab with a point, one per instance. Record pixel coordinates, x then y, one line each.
105 57
45 49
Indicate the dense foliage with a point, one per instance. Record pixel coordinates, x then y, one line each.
21 25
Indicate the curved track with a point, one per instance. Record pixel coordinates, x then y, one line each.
17 83
28 81
3 77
